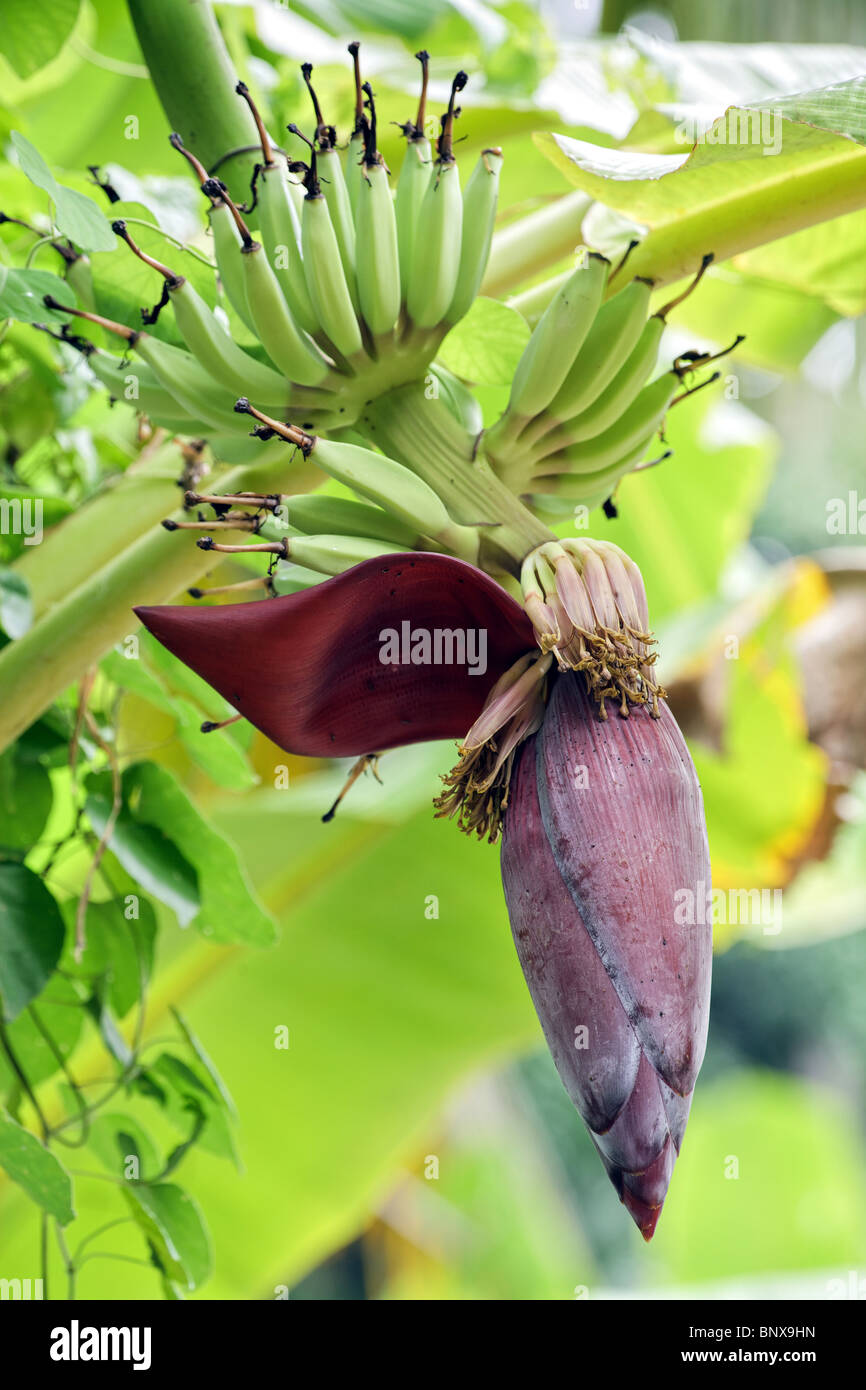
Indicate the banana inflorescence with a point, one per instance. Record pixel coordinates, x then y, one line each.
348 289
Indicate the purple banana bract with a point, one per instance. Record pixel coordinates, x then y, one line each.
603 816
604 824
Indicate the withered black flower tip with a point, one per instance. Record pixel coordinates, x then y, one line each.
196 593
242 406
306 70
423 56
241 88
353 47
208 726
206 543
118 226
169 524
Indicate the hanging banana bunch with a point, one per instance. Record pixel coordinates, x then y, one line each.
584 405
344 297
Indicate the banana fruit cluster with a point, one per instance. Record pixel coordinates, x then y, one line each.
584 404
348 289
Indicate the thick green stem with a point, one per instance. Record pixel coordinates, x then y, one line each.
530 245
79 630
423 434
195 80
100 529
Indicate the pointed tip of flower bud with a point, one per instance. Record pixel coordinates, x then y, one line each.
645 1217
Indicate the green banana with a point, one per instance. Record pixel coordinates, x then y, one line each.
556 341
288 346
187 381
217 351
326 279
378 479
316 513
479 214
590 489
278 222
640 421
436 253
395 488
150 396
334 554
378 266
617 396
377 259
336 196
206 337
415 172
611 340
283 341
435 260
279 230
227 246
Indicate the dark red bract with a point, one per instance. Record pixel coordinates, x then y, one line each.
306 668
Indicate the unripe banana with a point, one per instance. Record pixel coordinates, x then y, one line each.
557 339
148 395
334 554
616 398
187 381
591 489
352 172
402 493
227 247
318 514
415 173
479 215
279 229
436 252
336 196
217 351
376 256
279 224
639 422
286 345
611 340
205 336
326 280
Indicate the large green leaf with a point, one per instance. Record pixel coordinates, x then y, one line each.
732 191
31 35
37 1171
31 937
55 1012
230 910
76 215
25 801
485 346
174 1229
